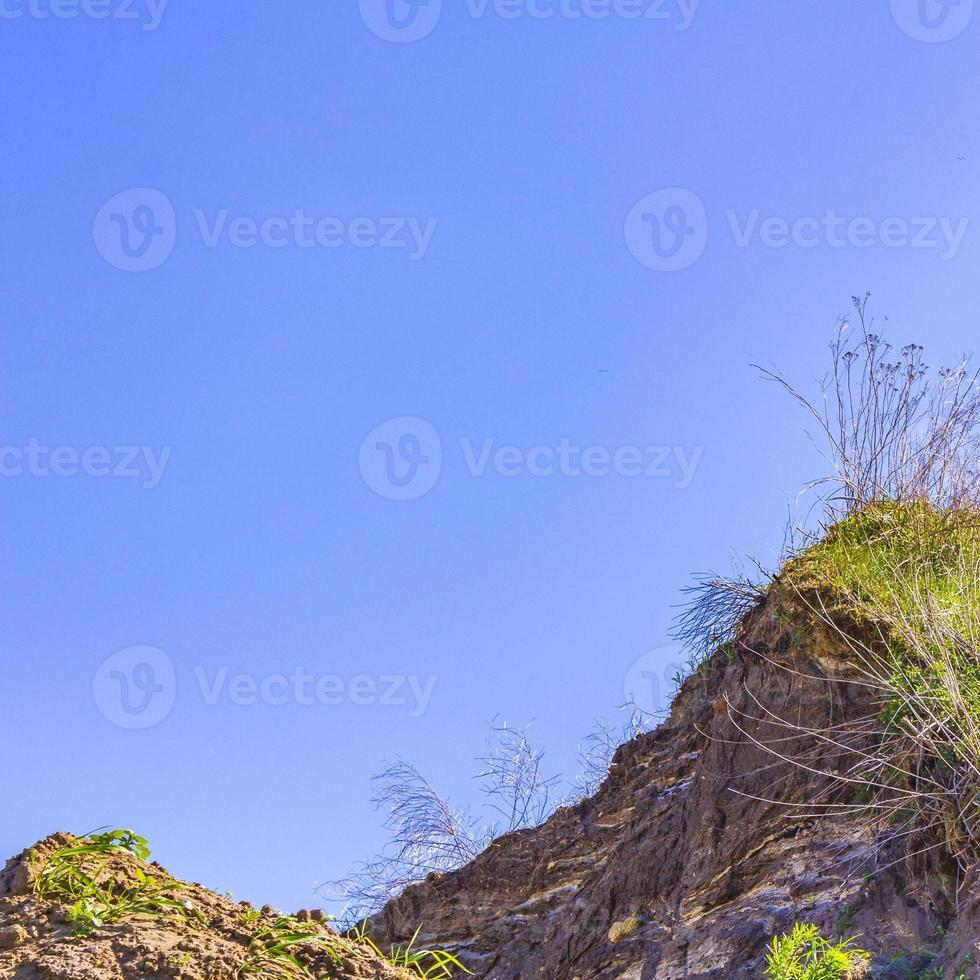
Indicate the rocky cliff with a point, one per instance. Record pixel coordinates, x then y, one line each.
720 829
706 840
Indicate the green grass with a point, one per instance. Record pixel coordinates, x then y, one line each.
900 584
272 951
76 876
428 964
805 955
892 556
912 573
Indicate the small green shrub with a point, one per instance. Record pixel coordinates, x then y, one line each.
805 955
900 584
271 951
76 876
428 964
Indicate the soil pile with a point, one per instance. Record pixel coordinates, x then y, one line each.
165 928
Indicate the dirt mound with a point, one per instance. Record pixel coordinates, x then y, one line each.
72 911
704 843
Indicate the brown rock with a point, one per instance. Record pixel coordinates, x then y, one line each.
702 845
13 936
210 943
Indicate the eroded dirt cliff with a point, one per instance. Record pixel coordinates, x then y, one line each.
703 843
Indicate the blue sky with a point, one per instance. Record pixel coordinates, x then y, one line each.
365 379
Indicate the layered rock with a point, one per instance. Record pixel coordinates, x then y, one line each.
705 842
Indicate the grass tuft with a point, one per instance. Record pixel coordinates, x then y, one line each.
428 964
77 876
805 955
899 585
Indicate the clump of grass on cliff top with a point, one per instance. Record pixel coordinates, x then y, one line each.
892 429
893 566
908 567
895 570
900 584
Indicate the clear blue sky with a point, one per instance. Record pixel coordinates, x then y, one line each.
545 295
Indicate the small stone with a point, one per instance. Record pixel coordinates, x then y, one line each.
624 929
12 936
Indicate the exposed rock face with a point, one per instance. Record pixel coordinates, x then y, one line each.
38 943
680 868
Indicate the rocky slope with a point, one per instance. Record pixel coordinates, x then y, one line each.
715 832
212 938
701 846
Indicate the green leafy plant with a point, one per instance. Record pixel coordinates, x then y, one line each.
805 955
249 916
272 951
429 964
77 876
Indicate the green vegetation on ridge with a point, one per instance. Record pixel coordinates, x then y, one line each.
95 890
900 584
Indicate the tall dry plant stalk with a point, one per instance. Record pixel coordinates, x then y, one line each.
895 429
